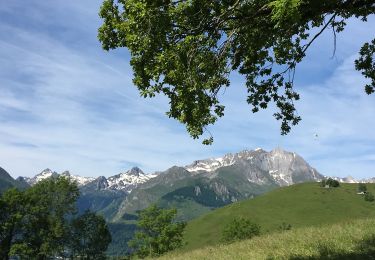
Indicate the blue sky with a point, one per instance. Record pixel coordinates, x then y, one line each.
68 105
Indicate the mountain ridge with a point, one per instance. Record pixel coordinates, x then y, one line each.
198 166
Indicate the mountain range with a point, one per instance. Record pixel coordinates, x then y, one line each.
125 181
193 189
201 185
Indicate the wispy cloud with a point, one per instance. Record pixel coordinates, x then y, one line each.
66 104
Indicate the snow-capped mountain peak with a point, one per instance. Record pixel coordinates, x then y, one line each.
125 181
128 180
210 165
135 171
47 173
79 179
285 168
350 179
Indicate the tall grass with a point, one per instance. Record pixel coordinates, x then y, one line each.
347 240
302 205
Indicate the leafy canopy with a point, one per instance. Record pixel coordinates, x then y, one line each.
40 223
12 203
90 236
186 49
157 232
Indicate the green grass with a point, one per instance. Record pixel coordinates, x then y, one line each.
347 240
300 205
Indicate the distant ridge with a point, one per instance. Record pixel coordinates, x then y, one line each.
278 162
6 181
125 181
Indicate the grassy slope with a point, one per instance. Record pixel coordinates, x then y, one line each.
347 240
299 205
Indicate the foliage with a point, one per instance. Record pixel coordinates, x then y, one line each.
90 236
240 229
49 203
34 223
330 183
12 203
333 183
362 187
366 64
369 197
187 49
158 233
285 226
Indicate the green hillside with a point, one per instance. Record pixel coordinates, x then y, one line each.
299 205
349 240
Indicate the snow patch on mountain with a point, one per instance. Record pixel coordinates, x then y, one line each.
79 179
350 179
48 173
128 180
210 165
125 181
285 168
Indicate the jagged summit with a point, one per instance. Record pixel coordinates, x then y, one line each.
257 166
135 171
125 181
280 166
47 173
128 180
213 164
65 173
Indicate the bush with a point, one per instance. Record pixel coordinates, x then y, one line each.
330 182
285 226
239 229
369 197
362 187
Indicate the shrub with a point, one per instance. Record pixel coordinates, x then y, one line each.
330 182
369 197
362 187
239 229
285 226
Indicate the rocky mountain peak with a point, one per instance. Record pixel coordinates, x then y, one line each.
21 179
47 173
128 180
280 166
66 173
102 183
135 171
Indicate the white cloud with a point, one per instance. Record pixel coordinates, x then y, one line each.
67 106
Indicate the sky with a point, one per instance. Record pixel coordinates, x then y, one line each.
66 104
